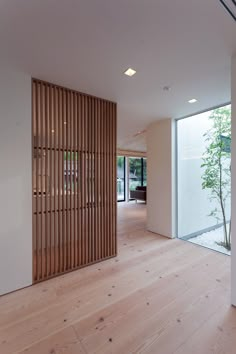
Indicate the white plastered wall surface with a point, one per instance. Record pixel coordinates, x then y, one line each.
233 183
15 179
160 178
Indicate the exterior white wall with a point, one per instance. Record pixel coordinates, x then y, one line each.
233 176
160 178
194 204
15 180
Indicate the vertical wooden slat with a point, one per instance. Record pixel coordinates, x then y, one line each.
87 189
67 184
89 178
59 221
33 134
54 149
74 179
105 177
114 178
105 181
74 246
44 173
95 184
92 246
75 183
114 134
79 149
41 181
84 181
64 184
95 161
51 136
102 180
36 173
109 179
79 167
82 178
90 132
99 180
70 183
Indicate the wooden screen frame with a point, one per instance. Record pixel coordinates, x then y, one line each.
73 179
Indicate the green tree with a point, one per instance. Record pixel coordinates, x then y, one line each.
120 161
217 167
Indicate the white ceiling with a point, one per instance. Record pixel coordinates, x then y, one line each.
87 44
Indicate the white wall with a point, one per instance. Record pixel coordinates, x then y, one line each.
15 180
233 196
160 178
194 203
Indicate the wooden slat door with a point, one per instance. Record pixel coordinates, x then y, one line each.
74 179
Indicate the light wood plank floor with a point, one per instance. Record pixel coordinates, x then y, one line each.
158 296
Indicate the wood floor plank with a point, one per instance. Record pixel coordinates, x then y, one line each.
63 342
157 296
146 314
36 325
217 335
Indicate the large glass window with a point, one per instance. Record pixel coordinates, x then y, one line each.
136 175
144 171
120 178
135 172
203 164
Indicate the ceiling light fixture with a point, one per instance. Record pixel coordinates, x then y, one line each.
166 88
139 133
193 100
130 72
53 131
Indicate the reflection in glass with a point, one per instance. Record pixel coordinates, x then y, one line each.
135 172
145 171
120 178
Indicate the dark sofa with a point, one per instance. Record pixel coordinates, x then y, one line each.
140 193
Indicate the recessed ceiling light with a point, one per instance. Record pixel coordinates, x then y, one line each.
65 123
130 72
193 100
53 131
166 88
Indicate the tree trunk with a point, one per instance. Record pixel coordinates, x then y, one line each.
222 206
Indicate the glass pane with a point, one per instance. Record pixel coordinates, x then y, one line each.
204 161
144 171
135 172
120 178
70 172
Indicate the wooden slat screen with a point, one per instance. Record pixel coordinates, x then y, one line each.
74 179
